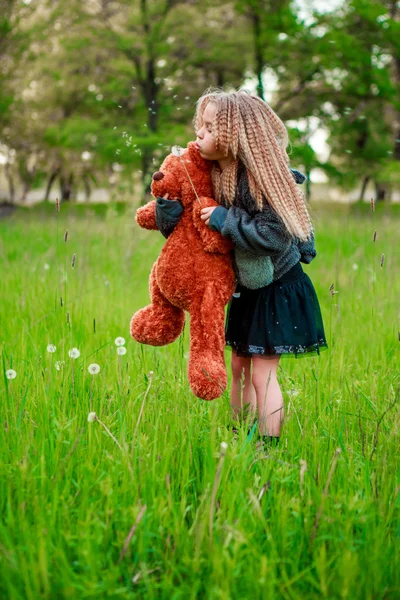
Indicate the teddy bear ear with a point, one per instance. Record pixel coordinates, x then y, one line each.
158 175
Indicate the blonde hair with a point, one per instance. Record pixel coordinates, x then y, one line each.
253 132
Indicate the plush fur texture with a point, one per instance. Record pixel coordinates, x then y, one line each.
193 273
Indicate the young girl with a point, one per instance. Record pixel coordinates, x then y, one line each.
274 310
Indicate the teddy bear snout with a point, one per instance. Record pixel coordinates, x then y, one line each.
158 175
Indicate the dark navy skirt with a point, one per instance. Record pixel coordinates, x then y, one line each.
282 318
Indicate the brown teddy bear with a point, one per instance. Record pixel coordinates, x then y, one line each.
193 273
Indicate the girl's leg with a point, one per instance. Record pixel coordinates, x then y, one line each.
269 396
243 395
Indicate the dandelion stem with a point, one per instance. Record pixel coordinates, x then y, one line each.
191 182
109 433
131 532
142 407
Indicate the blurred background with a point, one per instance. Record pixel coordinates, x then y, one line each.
93 95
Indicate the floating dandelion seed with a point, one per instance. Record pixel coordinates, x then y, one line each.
374 236
372 202
11 374
66 236
94 369
59 365
382 260
119 341
121 350
73 260
92 417
51 348
74 353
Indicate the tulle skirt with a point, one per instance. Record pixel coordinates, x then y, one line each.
282 318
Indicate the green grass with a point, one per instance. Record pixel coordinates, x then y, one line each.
303 521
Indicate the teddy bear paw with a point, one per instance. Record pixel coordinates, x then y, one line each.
207 378
156 329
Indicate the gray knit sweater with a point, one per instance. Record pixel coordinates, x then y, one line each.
264 250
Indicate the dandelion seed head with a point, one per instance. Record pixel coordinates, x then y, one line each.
224 446
59 365
74 353
176 150
51 348
121 350
355 267
46 266
94 369
119 341
11 374
92 417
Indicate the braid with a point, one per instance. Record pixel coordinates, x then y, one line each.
257 137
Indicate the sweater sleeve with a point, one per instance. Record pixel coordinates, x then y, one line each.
264 234
307 250
168 214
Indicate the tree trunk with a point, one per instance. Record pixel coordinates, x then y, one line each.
50 182
66 187
381 192
363 188
88 189
10 181
258 52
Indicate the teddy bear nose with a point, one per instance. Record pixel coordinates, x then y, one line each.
158 175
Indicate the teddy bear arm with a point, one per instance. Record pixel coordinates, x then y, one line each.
146 215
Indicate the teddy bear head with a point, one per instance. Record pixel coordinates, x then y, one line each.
178 175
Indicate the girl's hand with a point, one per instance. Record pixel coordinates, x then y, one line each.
206 213
166 197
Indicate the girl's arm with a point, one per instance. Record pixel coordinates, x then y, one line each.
263 234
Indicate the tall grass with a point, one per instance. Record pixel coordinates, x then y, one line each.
167 512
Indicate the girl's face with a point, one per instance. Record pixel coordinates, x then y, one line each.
204 140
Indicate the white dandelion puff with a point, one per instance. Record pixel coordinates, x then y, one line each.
92 417
176 150
224 446
119 341
121 350
94 369
11 374
74 353
51 348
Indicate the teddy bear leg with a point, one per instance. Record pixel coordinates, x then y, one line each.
160 322
206 369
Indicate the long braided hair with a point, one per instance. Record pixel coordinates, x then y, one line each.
258 138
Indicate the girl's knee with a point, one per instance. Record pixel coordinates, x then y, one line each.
264 372
240 366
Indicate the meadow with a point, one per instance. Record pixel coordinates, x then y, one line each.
142 501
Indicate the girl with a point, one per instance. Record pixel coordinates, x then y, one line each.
274 310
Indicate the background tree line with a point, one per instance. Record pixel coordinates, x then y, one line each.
90 90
